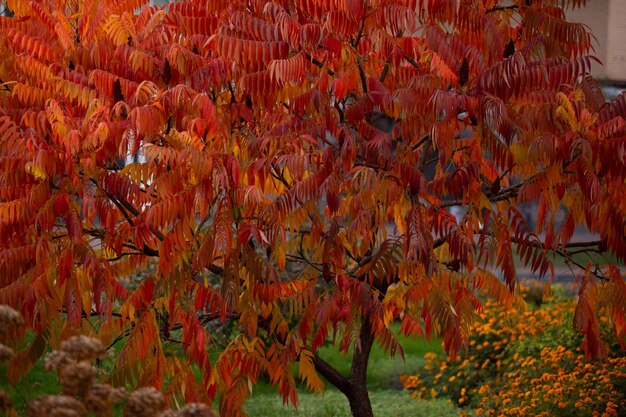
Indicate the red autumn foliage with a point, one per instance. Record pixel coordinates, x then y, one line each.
290 165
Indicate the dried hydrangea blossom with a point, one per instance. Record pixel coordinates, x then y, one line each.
77 377
6 353
196 410
98 398
5 401
56 360
55 406
101 393
9 317
118 395
144 402
82 348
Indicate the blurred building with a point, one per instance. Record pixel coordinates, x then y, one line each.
607 21
4 11
160 3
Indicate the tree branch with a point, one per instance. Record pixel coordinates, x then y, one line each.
319 64
501 8
411 61
331 374
123 254
385 72
363 78
420 142
360 357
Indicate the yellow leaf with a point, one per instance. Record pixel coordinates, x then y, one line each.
280 252
388 316
519 152
35 171
84 284
399 213
308 373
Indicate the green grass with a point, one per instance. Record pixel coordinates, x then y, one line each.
383 371
35 383
383 382
385 403
580 258
388 398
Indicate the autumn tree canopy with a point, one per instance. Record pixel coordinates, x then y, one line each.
291 166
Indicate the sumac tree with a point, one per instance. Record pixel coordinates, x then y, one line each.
291 165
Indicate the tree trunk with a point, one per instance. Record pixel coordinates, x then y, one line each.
358 396
355 386
359 399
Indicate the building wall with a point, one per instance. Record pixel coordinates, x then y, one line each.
595 15
616 41
607 21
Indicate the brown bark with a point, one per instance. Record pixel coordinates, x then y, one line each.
353 387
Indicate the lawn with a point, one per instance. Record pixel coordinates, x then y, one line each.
385 403
386 392
383 379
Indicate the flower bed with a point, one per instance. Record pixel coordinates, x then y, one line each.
527 363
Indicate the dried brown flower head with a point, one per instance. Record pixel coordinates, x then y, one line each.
98 398
196 410
144 402
169 413
55 406
5 401
83 348
118 395
77 377
6 353
9 317
56 360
